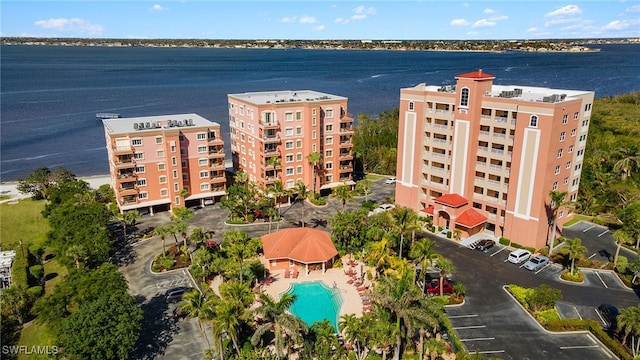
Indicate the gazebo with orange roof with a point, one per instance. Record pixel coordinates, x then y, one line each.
298 247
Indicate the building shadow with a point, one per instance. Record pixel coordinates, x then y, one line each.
158 329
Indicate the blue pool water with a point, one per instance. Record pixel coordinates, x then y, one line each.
315 302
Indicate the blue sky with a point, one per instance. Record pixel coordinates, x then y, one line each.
312 20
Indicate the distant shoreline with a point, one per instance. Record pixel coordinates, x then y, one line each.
10 188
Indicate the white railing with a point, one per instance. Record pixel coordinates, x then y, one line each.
483 148
499 136
494 182
495 167
478 178
497 151
481 164
439 141
440 126
484 133
501 119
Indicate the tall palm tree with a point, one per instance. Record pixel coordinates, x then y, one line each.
557 201
621 237
629 324
384 333
226 316
344 194
162 231
127 218
302 193
446 267
237 293
435 347
275 162
236 244
380 254
575 250
276 319
200 236
356 332
422 252
196 304
406 221
365 185
315 158
325 342
629 162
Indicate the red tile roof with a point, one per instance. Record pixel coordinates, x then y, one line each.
428 210
305 245
470 218
453 200
476 75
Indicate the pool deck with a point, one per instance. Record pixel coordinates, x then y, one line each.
351 299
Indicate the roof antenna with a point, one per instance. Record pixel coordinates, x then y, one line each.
480 71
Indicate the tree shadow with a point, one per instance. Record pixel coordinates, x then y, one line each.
125 256
158 328
318 223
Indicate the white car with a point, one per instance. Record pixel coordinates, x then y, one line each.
391 180
518 256
536 263
382 208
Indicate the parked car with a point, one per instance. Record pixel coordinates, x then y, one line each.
609 314
433 288
175 294
485 244
382 208
208 202
391 180
536 263
518 256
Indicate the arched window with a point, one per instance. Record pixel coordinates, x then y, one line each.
410 105
464 97
533 122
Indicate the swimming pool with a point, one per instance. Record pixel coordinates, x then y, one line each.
315 302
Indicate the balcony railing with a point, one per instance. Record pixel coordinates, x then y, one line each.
345 130
270 124
123 150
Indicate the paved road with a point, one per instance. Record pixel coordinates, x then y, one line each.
598 240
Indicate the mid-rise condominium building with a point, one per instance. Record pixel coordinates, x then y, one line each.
483 158
161 162
273 134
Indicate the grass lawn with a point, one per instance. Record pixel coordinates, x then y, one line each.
22 221
577 218
374 177
35 334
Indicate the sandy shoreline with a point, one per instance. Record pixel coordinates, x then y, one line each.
10 188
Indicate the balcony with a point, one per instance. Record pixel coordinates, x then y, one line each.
483 148
268 152
127 176
129 200
270 124
217 188
346 117
217 165
441 127
123 150
124 164
128 190
497 151
216 153
346 143
346 168
271 138
268 180
346 129
484 133
215 140
346 155
345 178
501 119
217 177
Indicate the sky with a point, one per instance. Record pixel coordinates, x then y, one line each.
322 19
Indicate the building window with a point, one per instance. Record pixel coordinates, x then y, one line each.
557 169
328 153
288 131
204 187
299 157
177 200
176 187
136 142
175 174
158 140
201 136
290 184
141 182
204 174
160 153
329 178
570 148
555 186
573 132
313 119
313 147
562 134
559 153
587 107
138 156
288 145
288 116
328 128
174 161
163 179
329 140
164 192
565 181
583 138
533 121
203 162
173 148
313 135
140 169
143 196
298 144
299 130
298 115
299 169
289 171
185 177
328 165
411 105
289 158
464 97
184 164
328 114
568 165
575 115
574 197
565 118
161 166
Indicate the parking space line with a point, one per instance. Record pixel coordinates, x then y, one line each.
462 316
603 283
594 254
470 327
604 232
600 316
491 352
502 248
579 347
542 269
478 339
591 338
589 228
574 308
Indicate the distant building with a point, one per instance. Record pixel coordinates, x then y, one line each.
153 159
483 158
289 126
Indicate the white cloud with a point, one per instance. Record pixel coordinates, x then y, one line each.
617 25
561 21
483 23
289 19
488 11
157 7
341 21
532 29
364 10
459 22
307 20
78 25
318 28
565 10
634 8
358 17
499 18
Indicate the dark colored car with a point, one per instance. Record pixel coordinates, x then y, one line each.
485 244
609 314
433 288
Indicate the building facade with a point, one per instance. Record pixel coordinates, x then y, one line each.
483 158
273 134
162 162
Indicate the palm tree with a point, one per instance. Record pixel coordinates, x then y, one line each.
128 218
384 333
406 220
446 267
162 231
315 158
78 253
575 250
196 304
380 254
365 185
302 193
279 321
15 301
237 293
325 342
344 194
275 162
621 237
435 347
237 246
423 253
629 162
200 236
629 323
557 201
356 332
226 317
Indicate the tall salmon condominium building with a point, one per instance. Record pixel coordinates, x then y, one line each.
484 159
162 162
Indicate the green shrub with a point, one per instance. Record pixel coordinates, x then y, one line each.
439 228
544 297
621 265
531 249
164 262
369 205
19 271
521 294
545 316
504 241
318 200
448 234
576 277
35 292
37 272
36 251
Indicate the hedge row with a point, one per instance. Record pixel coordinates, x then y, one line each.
506 242
593 327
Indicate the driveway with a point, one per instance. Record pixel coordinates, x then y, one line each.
598 240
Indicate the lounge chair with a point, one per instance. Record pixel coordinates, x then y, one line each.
287 273
350 281
362 288
295 274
